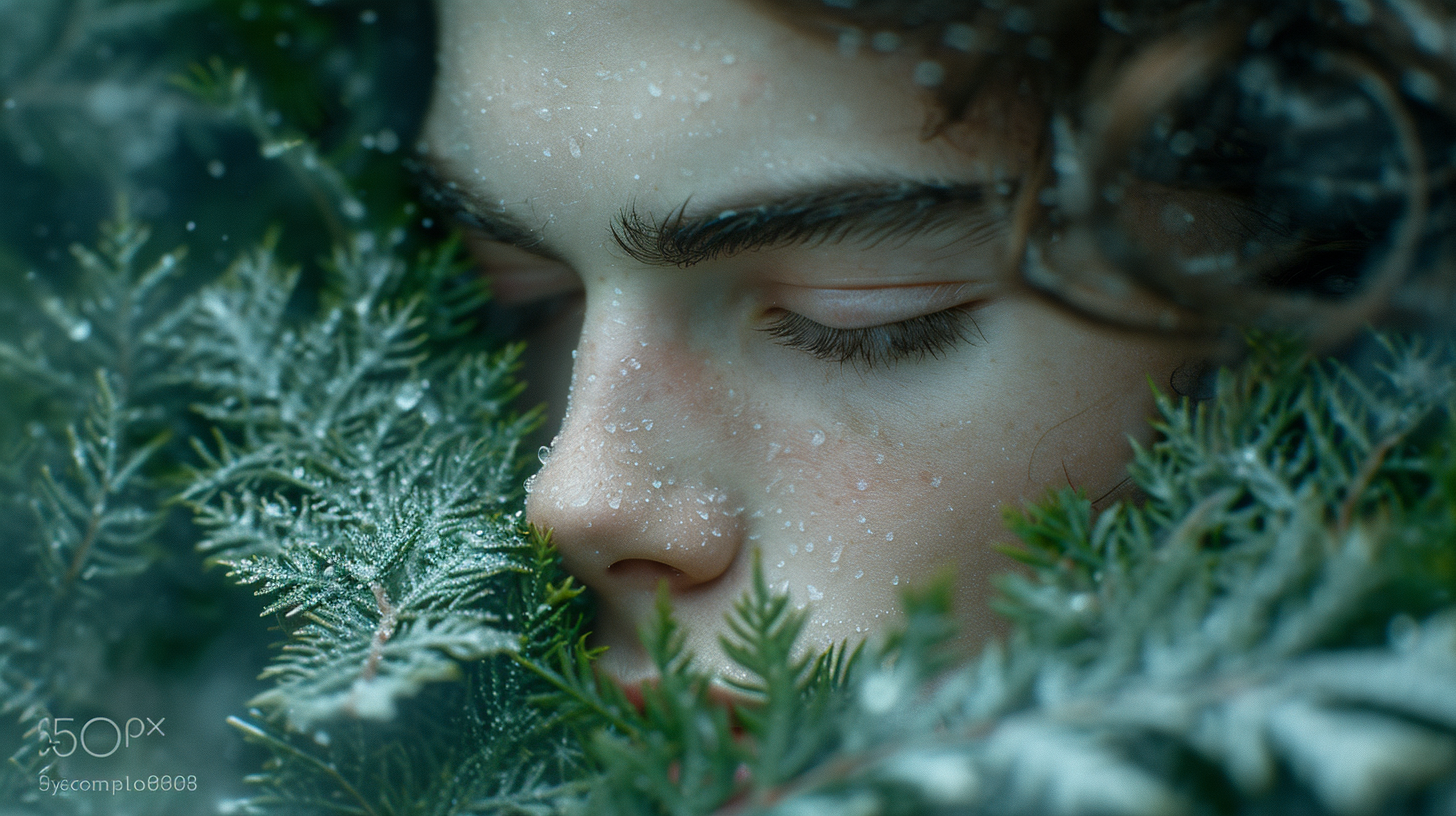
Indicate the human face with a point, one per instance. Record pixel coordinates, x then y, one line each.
711 412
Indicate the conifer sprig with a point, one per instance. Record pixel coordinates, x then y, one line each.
83 503
363 485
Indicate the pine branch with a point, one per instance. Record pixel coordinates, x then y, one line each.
84 504
370 502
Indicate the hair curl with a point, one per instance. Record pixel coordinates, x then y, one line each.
1325 130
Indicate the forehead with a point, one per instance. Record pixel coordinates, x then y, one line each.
556 107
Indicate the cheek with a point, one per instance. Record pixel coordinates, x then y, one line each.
879 488
849 512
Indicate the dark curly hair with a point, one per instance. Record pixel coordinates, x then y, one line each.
1313 142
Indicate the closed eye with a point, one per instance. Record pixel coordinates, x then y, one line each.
931 335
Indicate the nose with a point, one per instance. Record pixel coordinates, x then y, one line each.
635 486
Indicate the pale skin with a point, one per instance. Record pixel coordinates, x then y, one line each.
696 435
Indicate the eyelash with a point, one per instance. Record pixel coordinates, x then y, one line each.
931 335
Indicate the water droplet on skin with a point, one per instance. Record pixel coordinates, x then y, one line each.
861 485
653 89
615 501
544 454
814 593
574 148
895 581
889 536
935 482
816 437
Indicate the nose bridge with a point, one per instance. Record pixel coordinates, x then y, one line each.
634 474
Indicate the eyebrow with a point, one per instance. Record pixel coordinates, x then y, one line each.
868 210
871 210
493 222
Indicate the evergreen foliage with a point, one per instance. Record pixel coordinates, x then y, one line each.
84 515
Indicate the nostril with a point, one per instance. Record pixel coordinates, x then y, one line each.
646 575
643 569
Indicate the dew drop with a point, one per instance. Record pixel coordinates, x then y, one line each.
408 397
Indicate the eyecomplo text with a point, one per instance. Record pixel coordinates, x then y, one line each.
155 782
